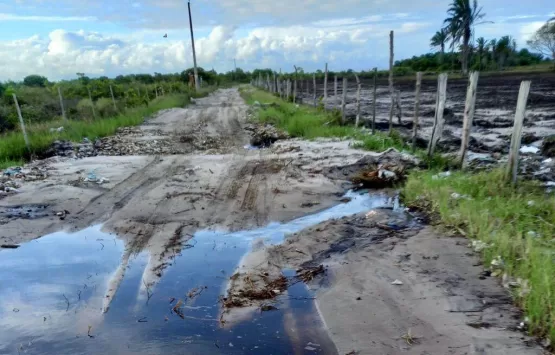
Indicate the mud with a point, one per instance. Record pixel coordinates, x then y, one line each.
394 286
495 107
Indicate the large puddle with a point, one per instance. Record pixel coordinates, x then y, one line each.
53 291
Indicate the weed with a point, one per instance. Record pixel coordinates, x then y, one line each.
515 225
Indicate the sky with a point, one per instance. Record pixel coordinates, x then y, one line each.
58 38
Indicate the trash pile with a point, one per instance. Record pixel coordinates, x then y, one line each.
264 136
11 178
384 170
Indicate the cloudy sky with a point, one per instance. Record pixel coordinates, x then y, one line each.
58 38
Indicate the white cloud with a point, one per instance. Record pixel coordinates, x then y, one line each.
63 53
14 17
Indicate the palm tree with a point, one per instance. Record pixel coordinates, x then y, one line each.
438 41
463 16
481 46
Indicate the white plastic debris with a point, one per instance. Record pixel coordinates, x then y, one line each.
532 234
497 262
397 282
441 175
59 129
529 149
547 161
102 180
455 196
478 245
531 203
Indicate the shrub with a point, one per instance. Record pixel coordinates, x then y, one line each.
105 107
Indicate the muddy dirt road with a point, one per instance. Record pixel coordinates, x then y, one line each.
139 262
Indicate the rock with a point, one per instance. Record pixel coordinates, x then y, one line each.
265 135
548 146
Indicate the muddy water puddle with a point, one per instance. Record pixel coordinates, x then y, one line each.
53 290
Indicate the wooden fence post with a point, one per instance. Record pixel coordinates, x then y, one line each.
275 83
512 167
314 88
335 91
326 86
25 137
416 109
113 99
391 57
469 109
359 85
62 104
440 108
399 108
92 103
343 101
308 89
295 85
375 101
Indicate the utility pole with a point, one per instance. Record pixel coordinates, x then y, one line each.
197 85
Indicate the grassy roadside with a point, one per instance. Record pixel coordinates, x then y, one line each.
309 122
12 145
515 227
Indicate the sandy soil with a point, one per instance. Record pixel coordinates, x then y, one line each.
156 203
443 305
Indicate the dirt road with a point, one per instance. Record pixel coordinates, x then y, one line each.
155 204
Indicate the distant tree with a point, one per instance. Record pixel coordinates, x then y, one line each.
543 40
463 16
439 39
35 81
481 48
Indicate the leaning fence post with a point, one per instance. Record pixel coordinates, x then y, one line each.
113 99
314 88
343 101
326 86
62 104
391 57
437 130
416 109
512 168
22 124
469 108
92 103
358 100
375 101
334 90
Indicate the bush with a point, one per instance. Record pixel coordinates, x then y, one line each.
105 107
85 108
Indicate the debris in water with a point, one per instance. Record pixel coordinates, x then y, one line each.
9 246
308 274
89 332
196 291
177 309
267 308
142 320
397 282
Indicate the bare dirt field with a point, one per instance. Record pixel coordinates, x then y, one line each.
136 250
495 108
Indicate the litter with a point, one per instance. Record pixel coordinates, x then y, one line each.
102 180
478 245
397 282
12 171
529 149
441 175
59 129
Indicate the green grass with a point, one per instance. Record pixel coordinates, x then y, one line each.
310 123
12 145
517 224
